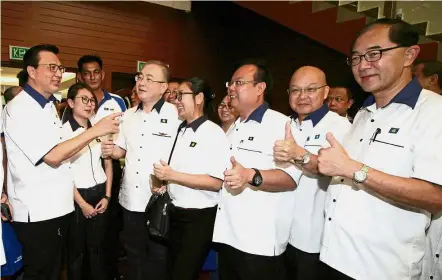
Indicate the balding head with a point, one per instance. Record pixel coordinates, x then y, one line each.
308 89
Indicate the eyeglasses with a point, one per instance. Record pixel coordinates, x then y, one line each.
239 83
370 56
140 77
89 74
308 91
54 67
223 105
86 100
179 94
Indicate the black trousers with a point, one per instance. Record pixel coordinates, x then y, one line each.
86 239
190 241
237 265
43 244
329 273
146 258
115 224
301 265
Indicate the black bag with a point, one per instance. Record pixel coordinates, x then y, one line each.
159 208
158 216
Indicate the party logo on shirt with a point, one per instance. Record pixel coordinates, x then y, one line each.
393 130
317 136
98 140
163 120
192 144
251 138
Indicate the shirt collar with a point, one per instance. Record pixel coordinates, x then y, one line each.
106 97
259 112
197 123
316 116
408 95
157 105
38 97
75 125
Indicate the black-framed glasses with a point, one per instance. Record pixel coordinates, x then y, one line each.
308 90
86 100
223 105
179 94
239 83
54 67
370 56
140 77
89 74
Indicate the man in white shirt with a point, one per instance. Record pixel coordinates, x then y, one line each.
40 183
340 100
255 209
90 72
146 136
305 135
387 171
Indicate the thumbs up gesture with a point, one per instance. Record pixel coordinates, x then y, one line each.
163 171
334 160
238 176
287 149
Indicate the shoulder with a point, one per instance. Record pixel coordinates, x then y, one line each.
335 119
274 117
23 102
119 100
169 109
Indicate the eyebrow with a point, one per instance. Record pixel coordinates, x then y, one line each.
368 49
309 85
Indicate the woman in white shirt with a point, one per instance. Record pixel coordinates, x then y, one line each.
195 175
92 189
227 115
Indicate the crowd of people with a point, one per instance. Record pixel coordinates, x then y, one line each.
314 195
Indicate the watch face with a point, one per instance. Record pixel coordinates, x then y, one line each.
257 180
360 176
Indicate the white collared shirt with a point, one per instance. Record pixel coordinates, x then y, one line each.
201 148
370 237
111 103
36 190
432 265
86 164
147 138
254 221
308 215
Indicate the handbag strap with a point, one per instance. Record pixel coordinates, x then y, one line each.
183 124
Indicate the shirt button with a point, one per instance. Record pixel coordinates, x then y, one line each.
141 147
360 140
61 138
144 120
329 219
136 187
334 200
300 129
230 148
437 255
431 277
142 134
342 180
237 129
372 120
137 172
219 208
138 159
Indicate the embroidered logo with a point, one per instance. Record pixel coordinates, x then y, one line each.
317 136
251 138
98 140
393 130
192 144
163 120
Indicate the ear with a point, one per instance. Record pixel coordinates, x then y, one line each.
70 103
79 78
350 103
31 71
163 88
199 98
102 75
261 88
326 91
434 79
411 54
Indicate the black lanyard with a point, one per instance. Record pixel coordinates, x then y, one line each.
183 124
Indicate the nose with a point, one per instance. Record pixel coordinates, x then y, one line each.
363 65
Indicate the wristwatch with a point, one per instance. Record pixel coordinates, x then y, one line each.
304 160
257 178
107 198
360 176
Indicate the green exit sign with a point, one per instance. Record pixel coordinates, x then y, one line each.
17 53
140 65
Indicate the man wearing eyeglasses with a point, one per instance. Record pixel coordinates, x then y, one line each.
339 100
170 94
146 137
304 136
255 209
387 175
40 183
90 72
